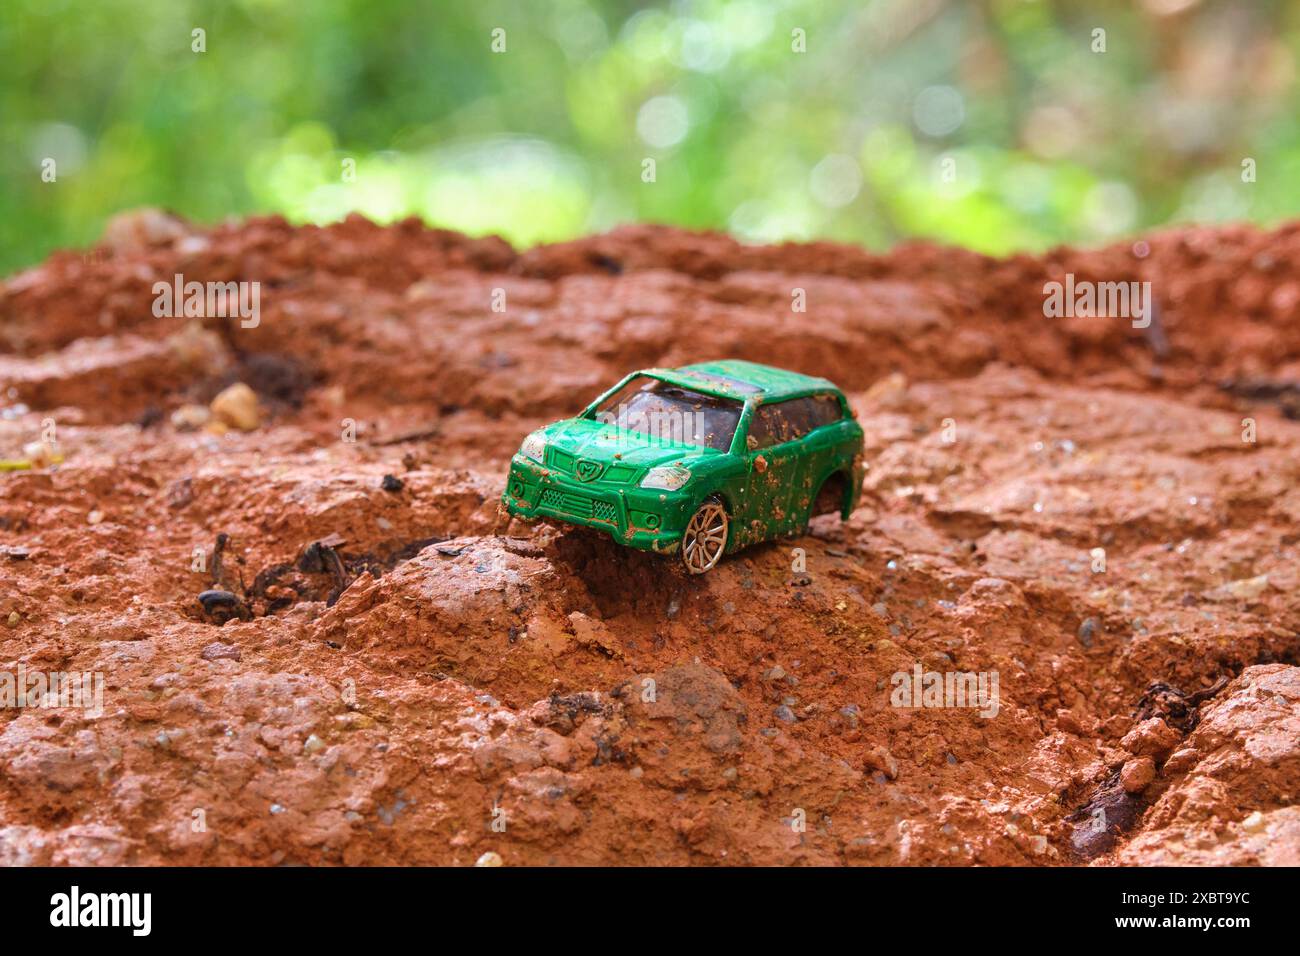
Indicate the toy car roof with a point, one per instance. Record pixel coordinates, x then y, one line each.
740 380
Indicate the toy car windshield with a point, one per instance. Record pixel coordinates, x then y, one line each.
671 415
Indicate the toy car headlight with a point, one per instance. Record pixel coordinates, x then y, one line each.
534 447
667 477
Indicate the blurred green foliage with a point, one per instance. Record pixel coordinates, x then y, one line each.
990 123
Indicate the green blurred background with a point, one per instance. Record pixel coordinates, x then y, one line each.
989 123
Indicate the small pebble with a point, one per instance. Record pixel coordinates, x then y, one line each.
218 651
1248 589
881 759
236 407
190 418
1137 774
1153 737
489 859
1087 630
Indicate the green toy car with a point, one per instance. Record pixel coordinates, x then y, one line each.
700 460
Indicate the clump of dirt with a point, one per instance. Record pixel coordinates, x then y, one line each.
322 642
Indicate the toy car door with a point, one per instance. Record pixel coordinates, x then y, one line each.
774 462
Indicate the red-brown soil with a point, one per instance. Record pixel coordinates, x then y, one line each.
474 665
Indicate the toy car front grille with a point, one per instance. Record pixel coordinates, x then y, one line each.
579 506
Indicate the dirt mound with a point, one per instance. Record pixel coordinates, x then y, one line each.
1100 518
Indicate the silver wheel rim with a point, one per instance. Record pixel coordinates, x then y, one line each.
705 538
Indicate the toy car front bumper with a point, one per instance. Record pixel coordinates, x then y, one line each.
645 518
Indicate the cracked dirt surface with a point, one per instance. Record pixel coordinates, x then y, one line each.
466 669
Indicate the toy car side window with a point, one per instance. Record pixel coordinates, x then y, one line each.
825 410
777 423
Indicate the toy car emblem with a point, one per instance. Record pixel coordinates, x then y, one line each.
589 470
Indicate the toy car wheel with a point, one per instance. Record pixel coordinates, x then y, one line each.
705 537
